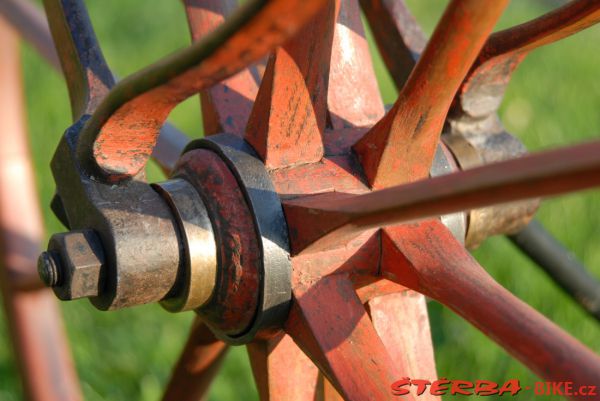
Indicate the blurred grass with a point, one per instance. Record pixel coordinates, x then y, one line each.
127 355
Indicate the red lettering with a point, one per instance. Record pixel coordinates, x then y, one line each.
556 388
421 385
591 390
485 388
398 386
569 388
461 387
539 388
439 387
512 386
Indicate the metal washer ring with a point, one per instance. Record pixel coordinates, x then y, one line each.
200 260
271 227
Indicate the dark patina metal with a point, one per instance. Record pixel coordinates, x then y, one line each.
134 224
270 226
475 142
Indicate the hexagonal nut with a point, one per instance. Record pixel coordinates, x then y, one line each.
81 260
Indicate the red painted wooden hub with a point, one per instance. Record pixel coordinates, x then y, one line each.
321 209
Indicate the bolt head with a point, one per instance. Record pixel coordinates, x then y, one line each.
80 268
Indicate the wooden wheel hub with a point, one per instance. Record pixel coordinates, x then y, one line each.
310 217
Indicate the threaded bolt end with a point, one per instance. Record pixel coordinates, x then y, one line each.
48 269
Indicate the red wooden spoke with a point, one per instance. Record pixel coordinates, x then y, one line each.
122 132
326 390
33 316
334 217
354 98
197 366
288 118
400 148
398 36
377 287
484 87
282 371
32 25
226 105
427 258
330 324
402 322
87 75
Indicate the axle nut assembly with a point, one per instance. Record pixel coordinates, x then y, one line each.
73 264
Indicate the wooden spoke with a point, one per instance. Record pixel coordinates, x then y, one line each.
32 314
354 99
288 118
427 258
282 371
334 217
401 147
398 36
402 322
482 91
326 390
87 75
330 324
122 132
226 105
197 366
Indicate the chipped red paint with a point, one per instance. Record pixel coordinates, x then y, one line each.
355 312
331 218
123 130
227 104
427 258
197 366
239 252
288 118
400 148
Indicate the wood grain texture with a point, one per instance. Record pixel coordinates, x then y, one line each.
427 258
226 105
400 147
282 372
288 119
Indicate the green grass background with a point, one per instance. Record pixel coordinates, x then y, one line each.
554 99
